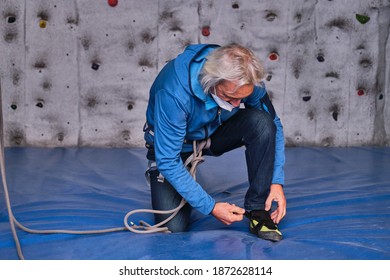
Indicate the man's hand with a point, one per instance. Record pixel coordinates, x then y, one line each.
276 194
228 213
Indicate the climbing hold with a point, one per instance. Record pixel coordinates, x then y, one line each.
311 115
112 3
380 96
365 63
60 136
273 56
11 19
92 102
42 23
95 66
130 105
362 18
270 16
320 58
360 92
298 18
10 36
206 31
306 98
335 111
16 136
40 64
335 115
235 6
14 107
332 75
269 77
39 104
126 135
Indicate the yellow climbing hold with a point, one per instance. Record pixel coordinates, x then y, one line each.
42 23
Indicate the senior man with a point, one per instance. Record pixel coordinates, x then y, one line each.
217 93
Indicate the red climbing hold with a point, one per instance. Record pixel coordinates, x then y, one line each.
112 3
273 56
206 31
360 92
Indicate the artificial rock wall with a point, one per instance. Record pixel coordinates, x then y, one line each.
77 72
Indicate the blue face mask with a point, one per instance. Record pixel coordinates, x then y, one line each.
222 103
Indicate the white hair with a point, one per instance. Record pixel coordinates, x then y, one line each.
232 63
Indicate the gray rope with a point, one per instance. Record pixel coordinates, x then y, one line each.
143 227
195 159
2 167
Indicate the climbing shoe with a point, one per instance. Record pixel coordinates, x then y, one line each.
261 224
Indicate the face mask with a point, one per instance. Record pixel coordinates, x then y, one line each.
222 103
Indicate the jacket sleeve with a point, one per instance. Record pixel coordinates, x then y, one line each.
260 100
170 129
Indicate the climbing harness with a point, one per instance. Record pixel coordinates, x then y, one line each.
191 163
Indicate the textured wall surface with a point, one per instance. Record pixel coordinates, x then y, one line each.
77 72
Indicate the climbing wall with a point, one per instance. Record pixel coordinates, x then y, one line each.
77 72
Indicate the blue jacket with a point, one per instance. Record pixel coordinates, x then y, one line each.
179 110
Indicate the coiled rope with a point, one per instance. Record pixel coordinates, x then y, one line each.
193 161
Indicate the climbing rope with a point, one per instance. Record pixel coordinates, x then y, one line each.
191 163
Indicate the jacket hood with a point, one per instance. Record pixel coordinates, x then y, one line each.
188 66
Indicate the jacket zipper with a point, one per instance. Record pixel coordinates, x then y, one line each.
219 116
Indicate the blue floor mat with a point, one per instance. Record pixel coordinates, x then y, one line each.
338 206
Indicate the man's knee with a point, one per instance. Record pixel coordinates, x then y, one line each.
260 124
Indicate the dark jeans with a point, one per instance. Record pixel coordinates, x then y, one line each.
249 127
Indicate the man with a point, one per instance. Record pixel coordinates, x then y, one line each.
198 96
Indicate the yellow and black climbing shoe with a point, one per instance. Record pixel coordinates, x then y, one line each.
261 224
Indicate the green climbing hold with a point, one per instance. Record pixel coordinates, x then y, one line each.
362 18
